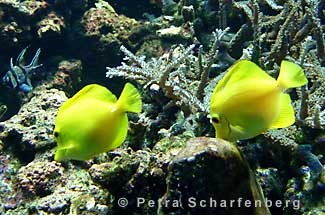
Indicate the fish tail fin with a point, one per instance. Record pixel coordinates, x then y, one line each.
291 75
130 99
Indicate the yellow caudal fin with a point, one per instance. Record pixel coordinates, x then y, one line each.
130 99
291 75
286 116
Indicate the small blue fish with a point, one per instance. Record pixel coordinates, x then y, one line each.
18 75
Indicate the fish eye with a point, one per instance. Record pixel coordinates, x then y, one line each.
56 134
215 120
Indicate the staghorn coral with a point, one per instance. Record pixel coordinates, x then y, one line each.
284 31
311 108
159 74
174 73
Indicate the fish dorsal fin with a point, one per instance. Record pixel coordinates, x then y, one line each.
242 70
91 91
286 115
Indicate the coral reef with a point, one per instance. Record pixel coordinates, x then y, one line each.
174 74
303 189
176 56
8 169
51 26
172 172
68 76
38 178
191 176
32 183
103 23
31 129
32 7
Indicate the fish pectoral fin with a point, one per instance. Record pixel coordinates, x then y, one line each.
60 153
286 115
237 132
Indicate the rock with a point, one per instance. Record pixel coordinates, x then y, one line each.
68 76
8 168
103 22
271 182
182 33
207 172
306 194
30 130
272 185
102 33
71 191
139 175
31 7
38 178
51 26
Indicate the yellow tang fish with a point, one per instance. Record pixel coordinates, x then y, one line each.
247 101
93 121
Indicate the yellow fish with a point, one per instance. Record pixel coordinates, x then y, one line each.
247 101
93 121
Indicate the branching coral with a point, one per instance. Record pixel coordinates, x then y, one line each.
177 83
175 74
284 31
168 73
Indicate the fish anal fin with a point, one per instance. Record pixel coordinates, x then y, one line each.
286 115
121 133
